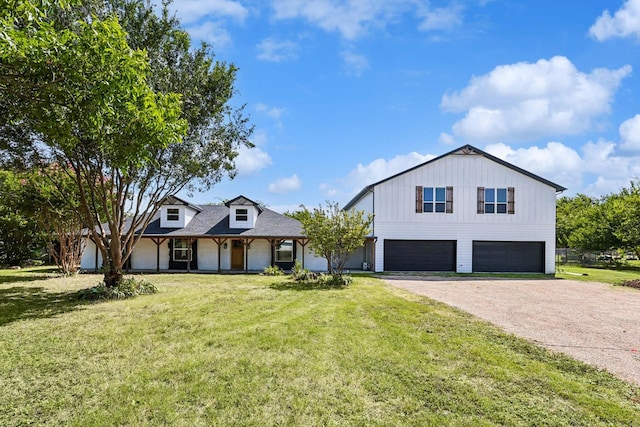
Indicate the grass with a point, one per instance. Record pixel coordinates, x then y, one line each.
260 351
612 276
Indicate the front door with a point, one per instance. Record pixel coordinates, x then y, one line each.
237 255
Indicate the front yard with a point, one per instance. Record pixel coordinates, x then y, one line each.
256 350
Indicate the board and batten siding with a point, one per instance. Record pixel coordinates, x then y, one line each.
396 218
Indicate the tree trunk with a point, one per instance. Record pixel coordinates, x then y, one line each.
113 275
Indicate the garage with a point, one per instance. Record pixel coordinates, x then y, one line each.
419 255
505 257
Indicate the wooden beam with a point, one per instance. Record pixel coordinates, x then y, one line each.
247 245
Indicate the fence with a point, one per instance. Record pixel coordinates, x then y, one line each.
592 258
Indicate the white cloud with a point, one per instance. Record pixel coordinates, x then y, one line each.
354 18
377 170
624 23
446 138
525 101
597 169
272 112
443 18
286 185
284 208
193 10
251 160
630 134
212 32
274 50
555 162
354 63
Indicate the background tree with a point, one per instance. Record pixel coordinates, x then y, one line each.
622 210
21 239
53 203
112 114
335 233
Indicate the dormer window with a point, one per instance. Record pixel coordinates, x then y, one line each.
173 214
242 215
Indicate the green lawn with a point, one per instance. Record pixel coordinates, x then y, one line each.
612 276
254 350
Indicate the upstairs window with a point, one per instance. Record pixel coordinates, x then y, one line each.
173 214
434 199
496 200
242 215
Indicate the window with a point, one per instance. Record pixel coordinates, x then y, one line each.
496 200
173 214
242 215
284 251
434 199
181 250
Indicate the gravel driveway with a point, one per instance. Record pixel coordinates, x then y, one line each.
593 322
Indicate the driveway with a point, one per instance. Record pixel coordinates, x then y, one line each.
593 322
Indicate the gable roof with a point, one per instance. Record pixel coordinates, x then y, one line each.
466 149
175 200
243 201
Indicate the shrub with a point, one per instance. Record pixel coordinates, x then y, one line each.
335 280
272 270
300 274
128 287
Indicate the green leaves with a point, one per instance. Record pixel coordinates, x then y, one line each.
611 222
335 233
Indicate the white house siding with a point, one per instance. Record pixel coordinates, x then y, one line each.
259 254
395 216
208 254
144 255
311 261
88 260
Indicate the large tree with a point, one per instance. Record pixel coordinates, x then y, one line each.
335 233
133 126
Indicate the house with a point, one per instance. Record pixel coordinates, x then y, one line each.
240 235
465 211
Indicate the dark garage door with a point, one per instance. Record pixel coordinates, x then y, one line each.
522 257
419 255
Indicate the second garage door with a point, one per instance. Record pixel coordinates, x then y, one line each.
521 257
419 255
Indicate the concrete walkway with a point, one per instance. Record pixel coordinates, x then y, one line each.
593 322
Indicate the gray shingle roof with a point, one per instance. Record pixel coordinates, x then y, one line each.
214 221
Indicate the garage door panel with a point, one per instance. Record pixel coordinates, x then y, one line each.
419 255
505 257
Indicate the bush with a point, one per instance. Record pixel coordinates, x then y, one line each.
273 270
128 287
335 280
300 274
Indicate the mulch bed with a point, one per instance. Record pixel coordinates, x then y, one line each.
635 283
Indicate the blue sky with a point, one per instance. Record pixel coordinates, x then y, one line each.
344 93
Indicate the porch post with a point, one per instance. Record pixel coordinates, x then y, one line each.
303 243
247 245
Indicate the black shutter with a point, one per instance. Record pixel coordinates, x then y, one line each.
511 208
449 204
481 200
